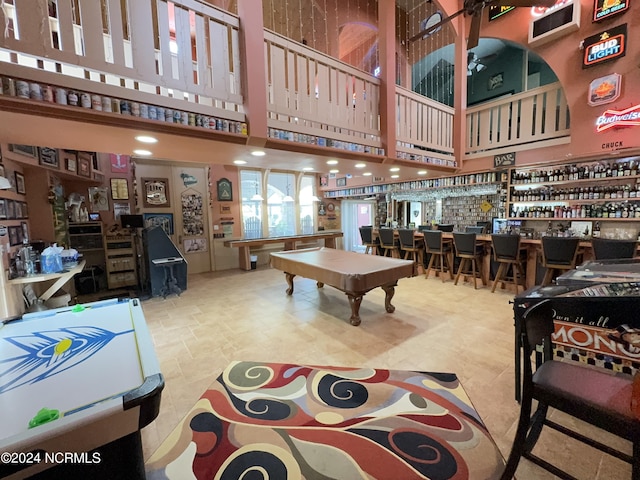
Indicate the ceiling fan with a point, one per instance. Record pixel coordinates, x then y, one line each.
474 9
476 64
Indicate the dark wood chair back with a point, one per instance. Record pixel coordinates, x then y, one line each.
465 243
387 238
608 249
505 247
407 238
433 241
476 230
560 251
366 234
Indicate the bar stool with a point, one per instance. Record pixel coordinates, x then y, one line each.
435 246
506 251
558 254
467 251
606 248
366 235
411 246
388 242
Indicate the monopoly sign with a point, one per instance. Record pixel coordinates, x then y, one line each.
607 8
605 89
605 46
618 118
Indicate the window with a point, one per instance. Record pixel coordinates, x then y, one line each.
252 199
281 207
307 208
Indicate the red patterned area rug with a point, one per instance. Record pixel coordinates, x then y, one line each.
282 421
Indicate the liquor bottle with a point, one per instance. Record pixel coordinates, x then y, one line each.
596 230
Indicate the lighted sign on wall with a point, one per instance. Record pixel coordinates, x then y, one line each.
605 46
607 8
605 89
618 118
559 20
496 11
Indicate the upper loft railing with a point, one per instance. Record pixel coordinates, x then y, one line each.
314 95
129 50
185 57
515 122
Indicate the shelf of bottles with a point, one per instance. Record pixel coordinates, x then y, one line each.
484 178
607 190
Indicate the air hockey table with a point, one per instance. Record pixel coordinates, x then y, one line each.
77 384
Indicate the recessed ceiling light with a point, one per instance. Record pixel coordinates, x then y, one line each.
360 165
394 169
144 153
240 162
258 153
307 169
332 162
395 176
334 170
146 139
422 172
366 174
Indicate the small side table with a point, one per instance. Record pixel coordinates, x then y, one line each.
170 281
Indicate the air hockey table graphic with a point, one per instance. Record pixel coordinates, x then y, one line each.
94 365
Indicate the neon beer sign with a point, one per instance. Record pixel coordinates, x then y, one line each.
605 46
618 118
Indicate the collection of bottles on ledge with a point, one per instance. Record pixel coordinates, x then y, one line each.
461 180
598 192
564 173
607 210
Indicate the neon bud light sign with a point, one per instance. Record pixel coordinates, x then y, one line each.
618 118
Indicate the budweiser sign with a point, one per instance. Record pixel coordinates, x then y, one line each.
618 118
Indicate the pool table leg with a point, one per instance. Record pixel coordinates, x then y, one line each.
390 292
355 300
289 277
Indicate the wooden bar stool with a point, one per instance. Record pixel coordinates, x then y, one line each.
558 254
388 242
366 235
609 249
435 246
410 246
469 252
506 251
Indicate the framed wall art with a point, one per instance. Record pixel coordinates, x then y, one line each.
195 245
11 209
25 210
119 189
26 150
20 186
98 199
15 235
3 208
225 190
155 192
84 165
25 231
341 182
48 157
162 220
495 81
70 161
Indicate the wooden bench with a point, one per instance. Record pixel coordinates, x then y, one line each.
290 242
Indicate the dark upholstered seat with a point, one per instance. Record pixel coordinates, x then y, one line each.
476 230
388 242
608 249
366 235
592 395
507 252
410 246
558 254
439 251
469 252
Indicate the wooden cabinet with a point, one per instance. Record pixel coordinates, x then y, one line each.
121 262
86 238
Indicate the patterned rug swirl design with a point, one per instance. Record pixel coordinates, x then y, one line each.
282 421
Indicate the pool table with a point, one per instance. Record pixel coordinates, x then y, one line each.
76 386
352 273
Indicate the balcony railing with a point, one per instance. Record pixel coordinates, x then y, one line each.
185 56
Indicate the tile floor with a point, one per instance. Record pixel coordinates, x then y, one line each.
238 315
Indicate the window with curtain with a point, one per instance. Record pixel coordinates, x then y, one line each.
281 206
252 201
307 198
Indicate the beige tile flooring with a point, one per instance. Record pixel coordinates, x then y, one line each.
238 315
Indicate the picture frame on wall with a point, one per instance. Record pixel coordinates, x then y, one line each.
341 182
225 190
3 208
162 220
25 210
25 231
496 81
155 192
119 189
84 165
48 157
195 245
2 171
18 207
11 209
26 150
324 181
70 160
15 232
20 185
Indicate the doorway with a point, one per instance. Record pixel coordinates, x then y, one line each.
355 214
